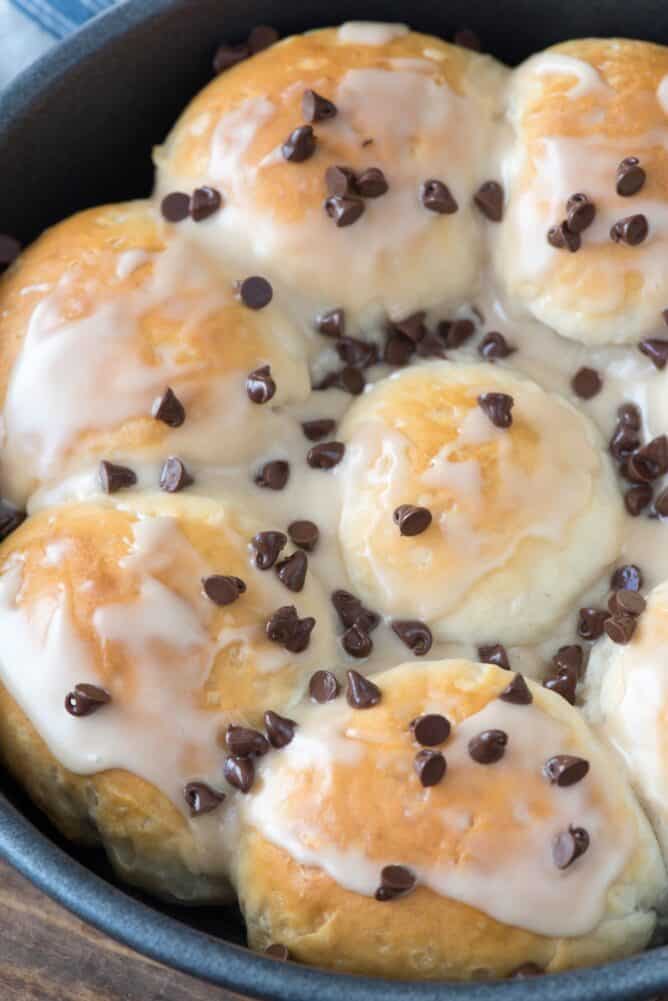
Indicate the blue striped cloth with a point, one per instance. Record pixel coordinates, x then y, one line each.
61 17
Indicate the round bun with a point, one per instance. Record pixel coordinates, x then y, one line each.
115 598
412 105
140 314
577 111
524 517
342 801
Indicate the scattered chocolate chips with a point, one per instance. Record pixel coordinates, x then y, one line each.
494 346
356 640
415 635
277 951
569 846
467 39
620 628
395 881
431 345
260 386
498 407
326 455
637 498
169 409
371 183
430 767
631 230
412 520
332 323
174 476
243 742
488 747
359 354
201 798
590 623
204 202
318 429
304 534
398 350
280 729
114 478
586 383
267 546
175 207
10 519
239 772
627 578
223 590
494 653
341 181
457 333
85 699
316 108
564 685
565 769
436 196
489 199
292 571
413 327
580 213
285 627
350 611
517 692
300 144
656 350
431 729
361 693
630 176
255 292
344 210
569 660
624 602
562 238
323 686
273 475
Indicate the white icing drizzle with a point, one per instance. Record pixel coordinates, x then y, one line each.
662 94
370 32
587 79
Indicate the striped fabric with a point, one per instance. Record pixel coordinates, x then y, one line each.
60 17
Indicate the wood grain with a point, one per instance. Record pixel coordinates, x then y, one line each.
46 954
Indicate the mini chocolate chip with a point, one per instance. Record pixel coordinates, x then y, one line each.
351 380
660 506
359 354
323 686
201 798
498 407
285 627
278 951
494 345
85 699
488 747
262 37
651 461
467 39
398 350
260 386
624 441
625 602
341 181
326 455
321 428
590 623
565 769
243 742
431 729
629 415
222 590
174 476
292 571
457 333
267 546
527 970
371 183
412 520
280 729
627 578
204 202
494 653
301 637
562 238
239 772
620 628
656 350
351 610
436 196
300 144
580 213
356 640
489 199
431 346
415 635
636 499
273 475
586 383
344 209
412 326
316 108
569 846
569 659
175 207
332 323
10 519
630 176
631 230
361 693
255 292
517 692
563 685
113 477
395 881
169 409
304 534
430 766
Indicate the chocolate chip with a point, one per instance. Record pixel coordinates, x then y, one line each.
498 407
344 209
494 345
398 350
457 333
169 409
467 39
273 475
565 769
395 881
624 441
580 213
371 183
488 747
656 350
280 729
636 499
262 37
569 846
256 292
489 199
204 202
586 383
267 546
431 729
359 354
590 623
415 635
243 742
201 798
315 430
361 693
239 772
660 506
627 578
631 230
527 970
301 637
356 640
260 386
292 571
436 196
10 519
300 144
431 346
620 628
430 766
174 476
650 461
323 686
304 534
569 660
114 478
285 627
85 699
332 323
630 176
412 520
625 602
278 951
229 55
562 238
517 692
351 611
412 326
326 455
341 181
494 653
563 685
175 206
351 380
316 108
222 590
629 415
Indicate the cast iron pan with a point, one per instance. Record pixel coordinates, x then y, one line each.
76 130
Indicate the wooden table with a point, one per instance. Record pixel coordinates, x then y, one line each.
46 954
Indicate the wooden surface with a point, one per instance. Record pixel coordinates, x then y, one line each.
46 954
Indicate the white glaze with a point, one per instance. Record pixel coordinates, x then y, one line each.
370 32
